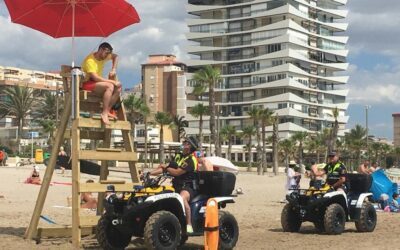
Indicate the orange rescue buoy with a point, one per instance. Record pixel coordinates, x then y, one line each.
211 229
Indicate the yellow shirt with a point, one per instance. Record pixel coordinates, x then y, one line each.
92 65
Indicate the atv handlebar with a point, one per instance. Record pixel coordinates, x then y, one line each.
156 181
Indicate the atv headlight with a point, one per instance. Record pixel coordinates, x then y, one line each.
112 198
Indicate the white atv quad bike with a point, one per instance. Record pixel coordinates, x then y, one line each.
156 213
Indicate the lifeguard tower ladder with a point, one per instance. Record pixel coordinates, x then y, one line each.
77 101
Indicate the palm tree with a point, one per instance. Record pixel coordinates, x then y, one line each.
334 131
180 123
299 137
376 148
396 152
265 117
356 140
47 104
210 76
199 89
136 110
198 111
48 126
248 133
275 142
287 146
162 119
19 103
227 133
254 114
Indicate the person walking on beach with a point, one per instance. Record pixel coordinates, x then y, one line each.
364 168
292 176
94 81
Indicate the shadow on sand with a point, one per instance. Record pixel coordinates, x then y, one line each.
14 231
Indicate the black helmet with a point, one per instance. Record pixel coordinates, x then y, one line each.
193 142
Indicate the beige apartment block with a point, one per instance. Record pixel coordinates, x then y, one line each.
162 81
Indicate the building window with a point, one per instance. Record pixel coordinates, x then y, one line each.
273 47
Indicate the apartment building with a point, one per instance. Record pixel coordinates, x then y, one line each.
163 84
285 55
396 129
11 76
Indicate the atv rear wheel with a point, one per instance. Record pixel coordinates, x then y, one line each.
290 219
162 231
228 230
367 221
334 219
109 237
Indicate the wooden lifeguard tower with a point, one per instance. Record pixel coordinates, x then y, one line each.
77 101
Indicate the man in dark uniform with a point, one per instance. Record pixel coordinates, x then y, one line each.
183 168
336 172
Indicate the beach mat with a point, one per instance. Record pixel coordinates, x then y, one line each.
87 167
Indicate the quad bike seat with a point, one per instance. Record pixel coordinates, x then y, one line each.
199 197
359 183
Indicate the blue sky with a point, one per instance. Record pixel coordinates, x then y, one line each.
374 56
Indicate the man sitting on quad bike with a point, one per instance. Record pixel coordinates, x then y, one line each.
183 168
336 173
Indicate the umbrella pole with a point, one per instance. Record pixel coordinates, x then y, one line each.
74 87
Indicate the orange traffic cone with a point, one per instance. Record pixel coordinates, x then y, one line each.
211 230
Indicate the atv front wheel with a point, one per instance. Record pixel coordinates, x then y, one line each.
367 221
109 237
290 219
228 230
162 231
334 219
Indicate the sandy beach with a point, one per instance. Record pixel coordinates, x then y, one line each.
257 211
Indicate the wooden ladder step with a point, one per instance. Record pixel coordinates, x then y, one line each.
87 221
97 123
109 149
61 231
101 188
104 156
86 134
112 181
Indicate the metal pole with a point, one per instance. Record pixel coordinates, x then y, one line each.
57 103
366 127
31 144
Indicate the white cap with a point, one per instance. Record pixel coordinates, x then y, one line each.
36 168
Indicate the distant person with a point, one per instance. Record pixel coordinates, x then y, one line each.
88 200
364 168
292 176
34 177
62 154
94 81
2 157
316 175
394 204
374 167
203 163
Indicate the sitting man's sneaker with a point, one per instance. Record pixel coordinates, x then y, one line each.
189 229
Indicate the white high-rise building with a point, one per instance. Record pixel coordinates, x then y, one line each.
285 55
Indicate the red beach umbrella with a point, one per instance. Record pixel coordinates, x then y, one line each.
73 18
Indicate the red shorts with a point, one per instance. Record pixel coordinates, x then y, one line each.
89 85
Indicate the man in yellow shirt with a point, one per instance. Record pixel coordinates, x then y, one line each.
94 81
